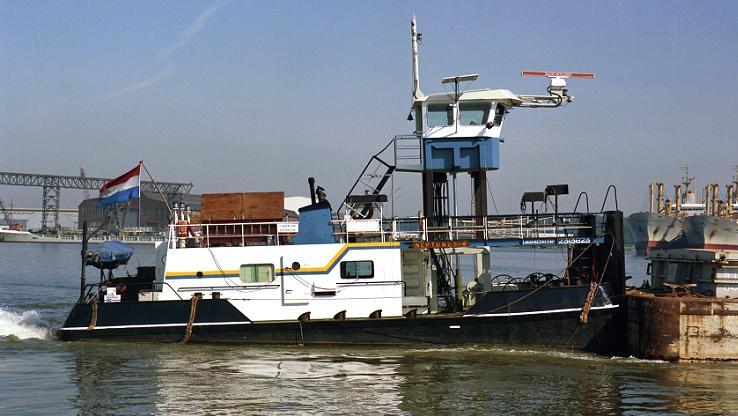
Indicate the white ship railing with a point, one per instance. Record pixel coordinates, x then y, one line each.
516 227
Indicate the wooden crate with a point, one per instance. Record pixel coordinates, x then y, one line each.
263 206
221 207
239 207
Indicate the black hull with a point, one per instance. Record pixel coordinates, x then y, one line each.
217 321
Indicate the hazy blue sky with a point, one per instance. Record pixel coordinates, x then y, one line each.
251 96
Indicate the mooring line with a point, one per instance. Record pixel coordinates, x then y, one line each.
193 310
302 337
93 320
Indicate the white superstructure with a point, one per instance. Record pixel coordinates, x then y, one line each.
284 282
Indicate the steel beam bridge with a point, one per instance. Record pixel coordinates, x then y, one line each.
52 185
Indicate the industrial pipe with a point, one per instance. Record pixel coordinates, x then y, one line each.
706 199
678 198
311 183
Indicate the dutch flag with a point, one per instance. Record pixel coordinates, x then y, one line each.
122 188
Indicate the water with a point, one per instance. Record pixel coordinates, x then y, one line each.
39 375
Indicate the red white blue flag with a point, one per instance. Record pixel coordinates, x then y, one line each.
122 188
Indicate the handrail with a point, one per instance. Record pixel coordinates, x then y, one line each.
586 200
493 227
615 193
90 286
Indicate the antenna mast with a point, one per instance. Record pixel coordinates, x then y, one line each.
416 38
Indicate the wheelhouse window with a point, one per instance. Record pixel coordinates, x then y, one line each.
473 114
470 114
357 269
440 115
256 273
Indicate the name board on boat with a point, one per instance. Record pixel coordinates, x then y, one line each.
111 295
287 227
554 241
440 244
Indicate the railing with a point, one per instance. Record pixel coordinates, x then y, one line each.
93 290
232 234
499 227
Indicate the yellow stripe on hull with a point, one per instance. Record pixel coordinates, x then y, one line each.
331 263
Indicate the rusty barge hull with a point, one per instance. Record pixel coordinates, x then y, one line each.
687 328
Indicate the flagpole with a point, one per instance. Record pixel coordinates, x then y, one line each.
157 188
140 196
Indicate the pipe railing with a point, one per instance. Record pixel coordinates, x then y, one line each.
396 229
94 289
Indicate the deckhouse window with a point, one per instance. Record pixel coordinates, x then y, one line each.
256 273
357 269
440 115
473 114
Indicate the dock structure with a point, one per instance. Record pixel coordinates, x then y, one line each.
53 184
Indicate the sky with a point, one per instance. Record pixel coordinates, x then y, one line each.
257 96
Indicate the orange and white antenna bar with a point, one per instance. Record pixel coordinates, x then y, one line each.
585 75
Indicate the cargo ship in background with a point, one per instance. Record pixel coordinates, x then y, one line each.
687 222
717 228
661 227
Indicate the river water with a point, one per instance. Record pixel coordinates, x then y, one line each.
40 375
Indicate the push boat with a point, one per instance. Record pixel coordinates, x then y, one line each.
355 277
